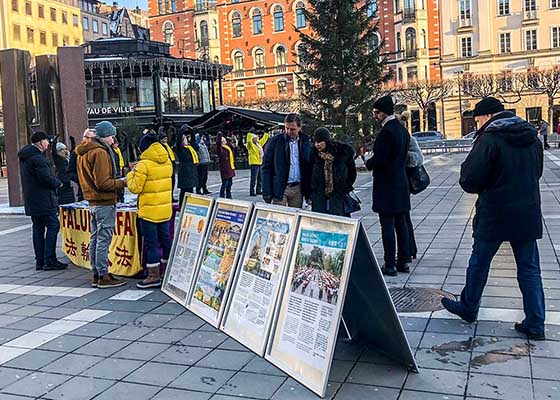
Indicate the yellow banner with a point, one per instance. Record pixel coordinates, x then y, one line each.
124 252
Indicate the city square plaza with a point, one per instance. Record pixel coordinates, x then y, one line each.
62 339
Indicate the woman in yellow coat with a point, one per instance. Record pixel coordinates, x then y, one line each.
151 180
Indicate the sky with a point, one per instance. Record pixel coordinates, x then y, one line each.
130 3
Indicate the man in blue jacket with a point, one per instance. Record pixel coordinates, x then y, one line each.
286 173
504 168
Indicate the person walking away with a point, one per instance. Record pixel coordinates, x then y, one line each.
151 180
255 154
504 168
286 173
543 131
333 173
415 159
61 159
188 161
202 141
226 161
39 197
391 196
97 172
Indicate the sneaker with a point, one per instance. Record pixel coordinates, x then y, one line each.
109 281
54 266
455 307
404 268
148 284
519 327
389 270
94 280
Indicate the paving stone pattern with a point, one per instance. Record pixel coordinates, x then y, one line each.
151 348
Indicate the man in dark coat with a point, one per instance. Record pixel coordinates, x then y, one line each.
39 195
333 173
391 196
503 169
186 152
285 172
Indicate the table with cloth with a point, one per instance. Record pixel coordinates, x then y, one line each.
126 250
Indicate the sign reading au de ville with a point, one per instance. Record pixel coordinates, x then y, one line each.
110 110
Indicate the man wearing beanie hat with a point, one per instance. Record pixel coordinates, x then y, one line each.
98 174
41 204
504 168
391 196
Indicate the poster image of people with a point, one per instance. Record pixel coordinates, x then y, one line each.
267 246
318 265
219 257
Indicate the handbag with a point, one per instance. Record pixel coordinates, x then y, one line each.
418 179
351 203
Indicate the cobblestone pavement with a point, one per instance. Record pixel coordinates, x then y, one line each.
60 339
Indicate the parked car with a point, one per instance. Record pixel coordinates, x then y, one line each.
469 135
428 135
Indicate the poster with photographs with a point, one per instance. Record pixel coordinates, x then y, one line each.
304 336
189 237
259 277
225 235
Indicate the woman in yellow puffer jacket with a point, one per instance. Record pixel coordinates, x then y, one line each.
151 180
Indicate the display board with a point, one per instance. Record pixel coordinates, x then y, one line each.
260 276
187 244
304 334
226 231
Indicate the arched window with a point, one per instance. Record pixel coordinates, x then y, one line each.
257 22
236 24
238 61
410 37
281 58
374 43
409 5
204 33
259 58
278 19
372 8
301 22
282 87
214 29
168 33
424 39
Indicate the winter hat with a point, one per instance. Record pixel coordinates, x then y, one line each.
385 105
105 129
147 141
322 135
487 106
60 146
38 136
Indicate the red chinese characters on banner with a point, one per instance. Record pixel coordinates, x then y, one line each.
70 247
85 252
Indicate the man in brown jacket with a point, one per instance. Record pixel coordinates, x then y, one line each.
97 172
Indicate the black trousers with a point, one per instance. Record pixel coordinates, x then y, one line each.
202 171
395 225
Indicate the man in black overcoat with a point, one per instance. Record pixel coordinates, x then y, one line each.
391 196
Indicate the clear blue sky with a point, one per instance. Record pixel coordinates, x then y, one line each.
130 3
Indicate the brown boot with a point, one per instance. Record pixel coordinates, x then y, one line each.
95 279
109 281
153 280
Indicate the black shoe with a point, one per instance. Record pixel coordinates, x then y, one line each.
403 268
519 327
259 192
389 271
55 266
455 307
207 192
39 266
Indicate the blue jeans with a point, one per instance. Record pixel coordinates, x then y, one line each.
225 190
155 235
256 180
102 227
45 244
526 255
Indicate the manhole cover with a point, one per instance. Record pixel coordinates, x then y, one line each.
418 299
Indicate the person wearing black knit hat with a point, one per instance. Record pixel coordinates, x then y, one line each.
391 196
504 168
40 200
333 173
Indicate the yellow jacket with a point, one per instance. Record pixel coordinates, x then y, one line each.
255 157
151 180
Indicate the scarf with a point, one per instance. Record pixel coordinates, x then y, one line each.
231 159
328 167
194 154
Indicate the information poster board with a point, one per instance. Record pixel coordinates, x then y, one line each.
259 277
226 232
189 239
306 327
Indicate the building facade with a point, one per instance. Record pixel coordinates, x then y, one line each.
95 25
40 26
504 38
125 22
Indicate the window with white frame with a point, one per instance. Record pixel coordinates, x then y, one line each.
466 47
530 5
464 9
168 33
505 43
261 89
281 57
259 58
240 91
555 37
301 21
503 7
257 22
531 40
238 61
554 3
278 19
372 7
282 87
236 24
